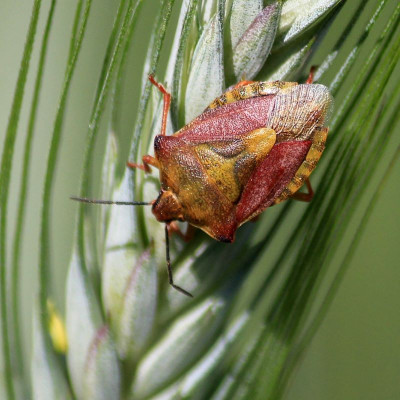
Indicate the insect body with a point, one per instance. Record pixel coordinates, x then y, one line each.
253 147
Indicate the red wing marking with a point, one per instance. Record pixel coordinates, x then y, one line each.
228 122
270 178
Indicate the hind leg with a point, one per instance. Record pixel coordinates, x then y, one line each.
301 196
310 78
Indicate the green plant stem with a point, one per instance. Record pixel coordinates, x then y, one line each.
331 57
353 246
99 104
15 266
5 173
178 75
113 131
44 261
118 87
109 52
363 75
75 27
89 245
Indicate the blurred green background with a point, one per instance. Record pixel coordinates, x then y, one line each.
356 352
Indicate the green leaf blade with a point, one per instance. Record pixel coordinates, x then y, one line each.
5 173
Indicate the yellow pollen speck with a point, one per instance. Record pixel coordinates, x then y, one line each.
57 330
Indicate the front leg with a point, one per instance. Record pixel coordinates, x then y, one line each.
147 161
173 227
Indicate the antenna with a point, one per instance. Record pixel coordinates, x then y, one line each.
141 203
169 269
118 203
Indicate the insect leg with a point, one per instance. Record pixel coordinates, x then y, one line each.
173 227
243 83
310 78
167 102
169 269
147 161
307 197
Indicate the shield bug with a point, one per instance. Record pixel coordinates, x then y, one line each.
254 146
